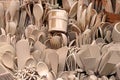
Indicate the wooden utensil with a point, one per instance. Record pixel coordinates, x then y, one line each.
2 18
116 32
12 27
8 60
83 20
62 52
30 62
23 52
108 5
79 13
89 12
117 7
52 59
57 20
38 13
14 6
5 47
94 16
67 4
73 10
42 69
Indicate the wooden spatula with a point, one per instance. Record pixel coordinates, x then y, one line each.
23 52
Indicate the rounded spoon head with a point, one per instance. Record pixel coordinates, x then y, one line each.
42 68
38 11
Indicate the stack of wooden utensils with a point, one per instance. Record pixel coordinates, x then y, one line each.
59 39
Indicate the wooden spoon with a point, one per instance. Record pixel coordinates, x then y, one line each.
38 13
50 76
80 3
92 77
89 13
5 47
73 10
108 5
52 59
2 15
12 27
8 60
117 7
23 52
42 69
14 6
93 19
79 13
29 29
30 62
83 20
66 5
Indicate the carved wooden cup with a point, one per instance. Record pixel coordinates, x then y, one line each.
57 20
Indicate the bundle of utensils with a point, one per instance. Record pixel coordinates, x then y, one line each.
60 40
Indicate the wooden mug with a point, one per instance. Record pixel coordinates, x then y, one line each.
57 20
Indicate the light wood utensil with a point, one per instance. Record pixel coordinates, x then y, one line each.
52 59
117 7
67 4
12 27
79 13
73 10
29 29
8 60
93 77
89 13
30 62
14 6
2 18
108 6
94 16
38 13
116 32
23 52
5 47
62 53
42 69
83 20
22 20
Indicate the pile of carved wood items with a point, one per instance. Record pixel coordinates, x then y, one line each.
59 40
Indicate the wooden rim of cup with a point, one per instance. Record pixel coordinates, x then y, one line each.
116 32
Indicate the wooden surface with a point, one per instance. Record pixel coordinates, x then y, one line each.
5 3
